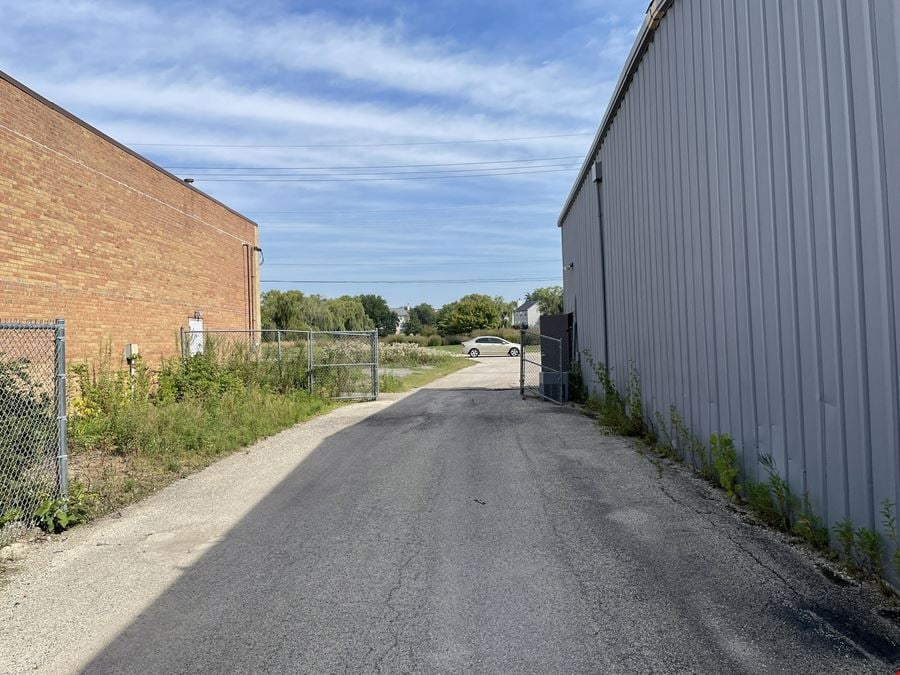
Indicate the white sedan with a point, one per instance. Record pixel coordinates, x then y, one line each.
488 345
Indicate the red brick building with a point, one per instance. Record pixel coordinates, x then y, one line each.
92 232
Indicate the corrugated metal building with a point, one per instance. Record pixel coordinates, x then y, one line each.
735 231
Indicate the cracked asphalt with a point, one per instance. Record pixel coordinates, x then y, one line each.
453 529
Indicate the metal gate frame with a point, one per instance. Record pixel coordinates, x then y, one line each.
362 356
550 384
370 364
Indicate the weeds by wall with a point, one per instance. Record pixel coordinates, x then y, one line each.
863 550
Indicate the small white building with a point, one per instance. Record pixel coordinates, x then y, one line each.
402 316
527 313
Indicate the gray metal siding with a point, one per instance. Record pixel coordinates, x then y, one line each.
751 206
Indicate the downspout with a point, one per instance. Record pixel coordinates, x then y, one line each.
257 261
597 178
249 286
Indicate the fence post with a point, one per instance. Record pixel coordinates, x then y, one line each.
309 362
183 348
375 364
280 360
562 389
522 362
62 445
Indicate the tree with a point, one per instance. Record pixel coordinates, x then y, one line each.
292 310
549 299
379 313
422 319
469 313
350 314
505 310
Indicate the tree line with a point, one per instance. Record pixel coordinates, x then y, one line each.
294 310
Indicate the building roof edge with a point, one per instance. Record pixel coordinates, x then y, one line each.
655 13
121 146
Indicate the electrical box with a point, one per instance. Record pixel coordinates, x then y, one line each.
132 351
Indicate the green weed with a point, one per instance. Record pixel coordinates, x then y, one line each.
725 460
55 514
846 536
759 499
809 526
871 548
623 415
783 500
689 445
889 522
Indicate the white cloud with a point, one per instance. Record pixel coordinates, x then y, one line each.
116 37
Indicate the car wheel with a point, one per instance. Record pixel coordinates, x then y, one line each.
474 353
513 352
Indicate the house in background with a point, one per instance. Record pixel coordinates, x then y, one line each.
97 234
402 317
527 314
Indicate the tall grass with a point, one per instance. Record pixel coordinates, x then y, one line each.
128 439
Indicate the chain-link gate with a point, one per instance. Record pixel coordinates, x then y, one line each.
541 371
333 364
33 446
344 365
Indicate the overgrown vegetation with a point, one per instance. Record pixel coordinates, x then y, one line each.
129 439
27 442
623 415
725 460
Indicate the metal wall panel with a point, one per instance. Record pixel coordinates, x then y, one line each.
750 205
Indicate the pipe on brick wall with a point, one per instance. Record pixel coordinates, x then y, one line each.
247 253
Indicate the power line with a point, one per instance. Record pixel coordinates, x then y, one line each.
361 145
406 281
436 172
414 264
357 180
368 166
454 207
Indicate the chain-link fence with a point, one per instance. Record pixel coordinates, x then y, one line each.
336 364
274 358
542 369
33 455
344 365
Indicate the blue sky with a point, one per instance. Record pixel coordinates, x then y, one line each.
372 90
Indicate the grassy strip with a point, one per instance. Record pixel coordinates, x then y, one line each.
421 376
134 450
450 349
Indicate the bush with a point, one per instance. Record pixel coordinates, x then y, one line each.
27 435
420 340
411 355
435 341
510 334
198 377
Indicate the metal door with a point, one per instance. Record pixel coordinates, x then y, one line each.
541 367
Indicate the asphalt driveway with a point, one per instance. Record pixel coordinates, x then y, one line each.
454 529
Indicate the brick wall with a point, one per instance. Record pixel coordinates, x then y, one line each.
121 250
